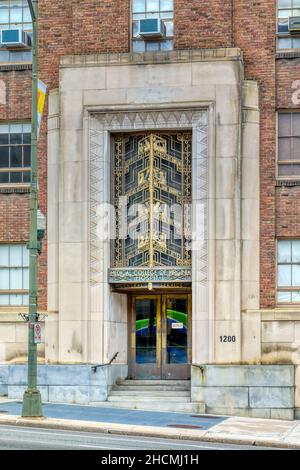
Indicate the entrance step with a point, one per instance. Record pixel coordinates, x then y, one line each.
152 383
153 395
178 407
152 388
114 396
149 393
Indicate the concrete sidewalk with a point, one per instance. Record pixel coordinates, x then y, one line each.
248 431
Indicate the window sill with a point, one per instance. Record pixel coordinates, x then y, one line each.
283 312
288 54
14 188
12 314
11 66
287 182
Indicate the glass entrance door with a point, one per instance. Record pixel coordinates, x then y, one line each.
160 337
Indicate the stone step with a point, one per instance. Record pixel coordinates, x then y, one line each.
149 393
153 383
180 407
153 388
153 398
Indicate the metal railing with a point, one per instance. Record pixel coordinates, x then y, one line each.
95 368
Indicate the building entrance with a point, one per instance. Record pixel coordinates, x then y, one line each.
160 336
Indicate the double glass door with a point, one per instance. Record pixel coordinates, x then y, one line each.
160 337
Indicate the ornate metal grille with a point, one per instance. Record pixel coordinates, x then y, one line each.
152 194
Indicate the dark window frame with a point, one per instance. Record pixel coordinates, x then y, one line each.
12 172
15 56
166 15
22 267
288 289
293 137
283 32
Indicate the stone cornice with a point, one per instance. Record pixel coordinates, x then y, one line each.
185 55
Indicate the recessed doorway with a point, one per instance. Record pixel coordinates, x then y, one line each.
160 336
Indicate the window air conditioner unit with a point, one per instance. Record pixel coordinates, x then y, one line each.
152 28
294 24
15 38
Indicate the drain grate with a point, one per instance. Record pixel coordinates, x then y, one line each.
184 426
3 411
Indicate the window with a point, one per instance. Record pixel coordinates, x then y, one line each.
288 271
15 14
152 9
158 165
289 145
285 40
14 275
15 149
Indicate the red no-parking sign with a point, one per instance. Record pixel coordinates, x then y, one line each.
37 333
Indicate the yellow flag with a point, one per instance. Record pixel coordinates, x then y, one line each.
42 90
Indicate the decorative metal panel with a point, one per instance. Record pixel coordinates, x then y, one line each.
154 275
152 183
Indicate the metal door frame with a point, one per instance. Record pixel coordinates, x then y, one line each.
161 370
143 371
176 371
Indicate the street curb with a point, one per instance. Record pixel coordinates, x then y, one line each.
142 431
104 428
255 442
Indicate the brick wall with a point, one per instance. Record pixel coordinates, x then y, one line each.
288 83
205 24
14 220
254 32
288 211
101 26
66 27
15 105
15 102
287 197
91 26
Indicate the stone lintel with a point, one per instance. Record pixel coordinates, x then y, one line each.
125 58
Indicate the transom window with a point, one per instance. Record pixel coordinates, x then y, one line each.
142 9
15 14
286 9
288 271
14 275
152 172
289 145
15 149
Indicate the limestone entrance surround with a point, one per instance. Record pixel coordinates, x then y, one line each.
202 91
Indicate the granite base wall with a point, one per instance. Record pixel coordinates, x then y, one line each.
262 391
63 383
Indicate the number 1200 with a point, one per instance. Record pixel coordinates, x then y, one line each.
227 339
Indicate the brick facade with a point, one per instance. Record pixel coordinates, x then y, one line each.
90 26
254 32
205 24
287 195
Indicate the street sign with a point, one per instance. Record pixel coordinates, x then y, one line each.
37 333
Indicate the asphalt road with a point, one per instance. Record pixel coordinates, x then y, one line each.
25 438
